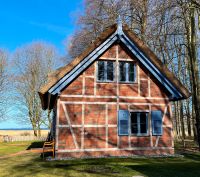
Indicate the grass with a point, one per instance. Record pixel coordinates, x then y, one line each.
12 147
33 165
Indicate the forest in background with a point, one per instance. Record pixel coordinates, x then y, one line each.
169 27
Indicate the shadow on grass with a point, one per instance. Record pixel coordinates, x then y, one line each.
92 167
151 167
192 156
168 170
38 144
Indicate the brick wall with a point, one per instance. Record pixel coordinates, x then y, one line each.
87 113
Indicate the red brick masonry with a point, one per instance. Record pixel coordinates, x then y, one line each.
87 113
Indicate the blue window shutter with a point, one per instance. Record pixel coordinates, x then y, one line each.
156 120
123 122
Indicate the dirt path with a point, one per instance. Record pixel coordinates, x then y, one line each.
38 150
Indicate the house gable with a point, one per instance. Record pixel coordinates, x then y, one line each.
156 68
86 84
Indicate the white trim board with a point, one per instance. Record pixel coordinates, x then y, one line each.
121 103
88 126
126 97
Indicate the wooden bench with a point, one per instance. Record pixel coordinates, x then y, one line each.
185 141
49 146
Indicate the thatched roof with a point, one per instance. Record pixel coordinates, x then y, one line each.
61 72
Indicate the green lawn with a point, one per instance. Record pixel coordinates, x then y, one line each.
12 147
32 165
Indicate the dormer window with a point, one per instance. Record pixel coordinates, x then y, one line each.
105 71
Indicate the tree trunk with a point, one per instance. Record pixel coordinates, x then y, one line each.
188 117
35 131
49 119
194 123
39 132
34 127
39 129
176 121
182 120
194 71
144 19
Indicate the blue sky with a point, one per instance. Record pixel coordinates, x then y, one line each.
24 21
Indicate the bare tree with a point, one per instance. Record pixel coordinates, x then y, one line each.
3 83
188 9
33 63
103 14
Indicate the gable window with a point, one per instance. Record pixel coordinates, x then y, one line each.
126 72
105 71
139 123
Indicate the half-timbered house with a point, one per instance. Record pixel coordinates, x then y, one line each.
113 100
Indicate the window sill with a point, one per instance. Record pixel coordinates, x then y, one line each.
106 81
121 82
130 83
140 135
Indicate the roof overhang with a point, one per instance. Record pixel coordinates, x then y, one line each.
117 36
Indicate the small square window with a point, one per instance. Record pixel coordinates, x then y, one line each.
126 72
101 75
105 71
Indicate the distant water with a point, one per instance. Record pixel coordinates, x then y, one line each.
21 129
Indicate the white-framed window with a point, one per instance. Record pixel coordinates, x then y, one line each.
105 71
139 123
127 72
